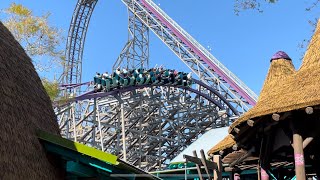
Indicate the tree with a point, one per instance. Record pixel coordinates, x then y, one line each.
52 88
241 5
40 40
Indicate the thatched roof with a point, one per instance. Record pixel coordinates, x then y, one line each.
25 108
227 142
287 90
280 69
284 88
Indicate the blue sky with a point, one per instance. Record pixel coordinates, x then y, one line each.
244 44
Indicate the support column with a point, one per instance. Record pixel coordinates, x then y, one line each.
123 133
259 171
299 156
236 176
217 173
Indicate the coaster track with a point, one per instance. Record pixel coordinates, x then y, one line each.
148 125
159 121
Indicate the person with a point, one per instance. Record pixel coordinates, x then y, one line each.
132 80
136 73
107 84
148 78
118 71
126 80
116 74
97 81
189 76
124 71
103 83
115 82
171 77
140 79
179 78
152 75
105 75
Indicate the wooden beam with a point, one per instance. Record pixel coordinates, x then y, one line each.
309 110
218 171
198 166
199 161
239 160
250 123
276 117
235 147
306 142
195 159
236 130
229 169
204 162
221 152
259 171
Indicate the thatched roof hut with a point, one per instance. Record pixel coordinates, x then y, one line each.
25 108
285 116
226 143
290 91
280 69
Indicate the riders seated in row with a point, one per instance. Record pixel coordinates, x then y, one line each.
154 76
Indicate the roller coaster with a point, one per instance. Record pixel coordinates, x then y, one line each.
148 124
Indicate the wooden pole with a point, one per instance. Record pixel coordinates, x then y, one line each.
198 167
250 123
236 176
259 171
307 141
203 160
299 156
218 171
309 110
276 117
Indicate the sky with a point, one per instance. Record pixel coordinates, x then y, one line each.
244 43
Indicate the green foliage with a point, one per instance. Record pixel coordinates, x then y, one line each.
52 88
40 40
18 9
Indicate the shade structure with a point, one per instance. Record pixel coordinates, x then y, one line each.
227 142
283 122
280 69
25 108
291 90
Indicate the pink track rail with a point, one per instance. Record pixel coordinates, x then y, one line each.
233 84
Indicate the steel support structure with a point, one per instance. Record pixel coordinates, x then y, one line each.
135 54
75 45
151 124
195 56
